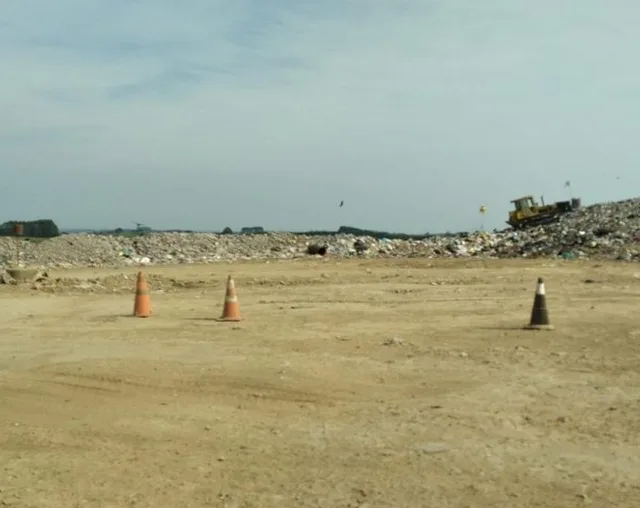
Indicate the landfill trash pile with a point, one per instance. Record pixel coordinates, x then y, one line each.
603 231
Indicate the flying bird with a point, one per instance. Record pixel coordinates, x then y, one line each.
341 204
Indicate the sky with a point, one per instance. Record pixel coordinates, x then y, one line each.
204 114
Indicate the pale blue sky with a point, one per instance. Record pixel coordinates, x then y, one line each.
205 113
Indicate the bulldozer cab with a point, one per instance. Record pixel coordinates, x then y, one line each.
524 204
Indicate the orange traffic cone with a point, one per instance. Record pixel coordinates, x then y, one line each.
142 303
231 310
539 314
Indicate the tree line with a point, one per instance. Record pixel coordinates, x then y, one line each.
41 228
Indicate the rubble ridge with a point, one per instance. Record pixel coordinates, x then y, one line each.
599 231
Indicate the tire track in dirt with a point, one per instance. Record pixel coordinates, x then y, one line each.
176 380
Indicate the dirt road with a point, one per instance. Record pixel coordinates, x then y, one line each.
348 384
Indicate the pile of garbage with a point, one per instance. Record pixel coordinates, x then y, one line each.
603 231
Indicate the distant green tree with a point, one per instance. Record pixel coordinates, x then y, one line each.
41 228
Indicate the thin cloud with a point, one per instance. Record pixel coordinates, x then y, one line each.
427 101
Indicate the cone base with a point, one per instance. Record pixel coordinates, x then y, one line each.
539 327
228 319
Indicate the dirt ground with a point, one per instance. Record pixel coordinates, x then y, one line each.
405 383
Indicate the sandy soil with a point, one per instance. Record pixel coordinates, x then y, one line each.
348 384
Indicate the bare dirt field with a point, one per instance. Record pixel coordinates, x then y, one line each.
405 383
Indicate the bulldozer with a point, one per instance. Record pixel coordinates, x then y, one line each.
528 213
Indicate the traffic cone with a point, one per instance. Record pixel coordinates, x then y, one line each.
231 310
142 303
539 314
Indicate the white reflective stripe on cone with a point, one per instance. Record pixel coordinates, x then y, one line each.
540 290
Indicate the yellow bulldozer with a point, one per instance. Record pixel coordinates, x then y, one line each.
528 213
